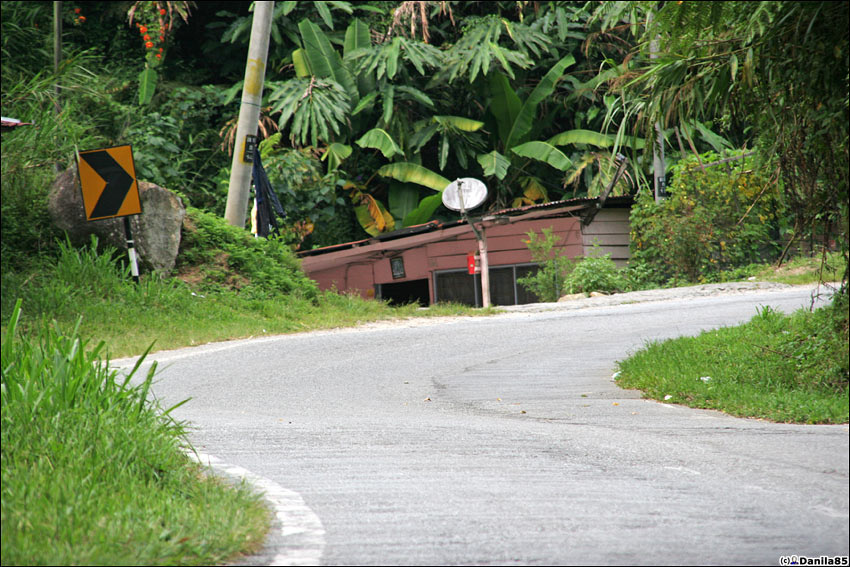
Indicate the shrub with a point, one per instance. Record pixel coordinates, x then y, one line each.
595 273
215 255
549 280
714 220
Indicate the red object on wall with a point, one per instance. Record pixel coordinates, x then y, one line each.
470 263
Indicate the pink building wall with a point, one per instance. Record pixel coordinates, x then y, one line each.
360 267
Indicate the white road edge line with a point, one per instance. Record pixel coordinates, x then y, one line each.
302 534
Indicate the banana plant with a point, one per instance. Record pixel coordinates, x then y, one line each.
334 96
514 120
594 148
408 172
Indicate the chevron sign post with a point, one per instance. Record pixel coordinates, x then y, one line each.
108 181
109 187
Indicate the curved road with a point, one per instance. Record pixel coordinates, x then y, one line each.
503 440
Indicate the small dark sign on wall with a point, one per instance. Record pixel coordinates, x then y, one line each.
397 266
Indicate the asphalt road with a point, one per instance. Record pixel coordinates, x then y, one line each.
503 440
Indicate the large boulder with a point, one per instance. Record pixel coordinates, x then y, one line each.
156 232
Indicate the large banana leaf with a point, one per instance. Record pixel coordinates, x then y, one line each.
380 140
459 122
402 199
424 211
494 163
544 152
324 61
591 138
373 216
414 173
525 119
587 137
504 105
356 37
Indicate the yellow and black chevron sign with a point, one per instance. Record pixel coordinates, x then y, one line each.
108 181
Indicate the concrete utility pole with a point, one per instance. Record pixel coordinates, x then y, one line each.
658 163
249 114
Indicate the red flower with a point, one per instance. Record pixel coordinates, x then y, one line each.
82 18
77 10
159 55
147 37
143 29
162 11
149 44
162 38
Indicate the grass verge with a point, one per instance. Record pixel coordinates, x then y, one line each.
785 368
169 313
94 472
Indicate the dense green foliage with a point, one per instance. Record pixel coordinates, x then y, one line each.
779 367
715 219
93 466
773 75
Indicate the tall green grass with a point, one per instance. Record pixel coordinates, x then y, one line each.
90 282
786 368
94 472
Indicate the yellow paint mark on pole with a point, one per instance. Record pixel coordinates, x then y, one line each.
254 73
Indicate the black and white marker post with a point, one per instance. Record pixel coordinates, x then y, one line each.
131 250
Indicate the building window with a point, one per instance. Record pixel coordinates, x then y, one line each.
458 286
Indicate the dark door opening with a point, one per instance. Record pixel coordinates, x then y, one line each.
402 293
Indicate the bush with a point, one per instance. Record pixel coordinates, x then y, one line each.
549 280
178 145
215 255
595 273
717 219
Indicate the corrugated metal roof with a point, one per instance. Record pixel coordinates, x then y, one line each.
558 207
